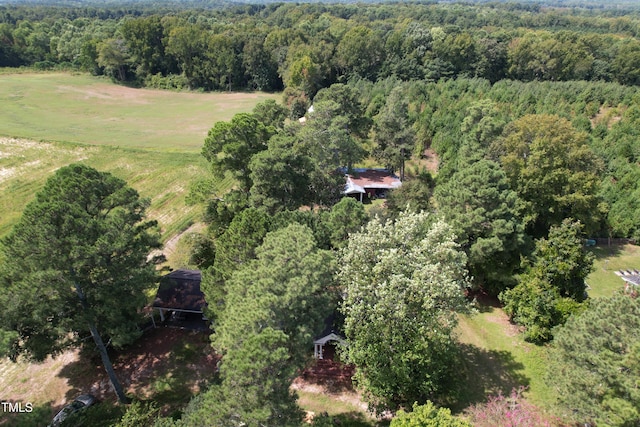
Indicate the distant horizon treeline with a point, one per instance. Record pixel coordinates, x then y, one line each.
305 47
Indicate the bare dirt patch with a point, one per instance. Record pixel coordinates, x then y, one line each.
172 243
159 353
608 115
430 160
500 318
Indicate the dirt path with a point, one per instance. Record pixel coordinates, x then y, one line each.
171 244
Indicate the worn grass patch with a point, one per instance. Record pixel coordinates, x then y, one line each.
150 138
344 408
91 110
166 365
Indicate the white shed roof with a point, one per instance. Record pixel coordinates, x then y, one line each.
331 337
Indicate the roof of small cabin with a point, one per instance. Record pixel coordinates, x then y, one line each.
362 179
330 332
180 290
630 276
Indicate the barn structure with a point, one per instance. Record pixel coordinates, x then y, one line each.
370 182
179 292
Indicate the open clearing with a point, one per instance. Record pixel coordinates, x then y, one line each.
91 110
162 177
603 281
167 365
150 138
497 359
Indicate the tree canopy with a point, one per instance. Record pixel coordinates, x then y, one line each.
595 363
553 170
275 305
403 282
76 264
554 285
480 206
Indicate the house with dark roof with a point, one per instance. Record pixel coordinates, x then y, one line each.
179 292
372 182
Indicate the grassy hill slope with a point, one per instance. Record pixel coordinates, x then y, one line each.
150 138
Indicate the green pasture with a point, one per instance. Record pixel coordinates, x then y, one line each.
162 177
150 138
91 110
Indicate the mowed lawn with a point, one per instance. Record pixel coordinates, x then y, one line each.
91 110
498 359
603 281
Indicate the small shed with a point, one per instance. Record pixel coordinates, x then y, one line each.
179 291
328 335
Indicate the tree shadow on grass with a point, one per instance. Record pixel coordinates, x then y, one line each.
167 365
603 252
86 375
357 419
486 373
483 301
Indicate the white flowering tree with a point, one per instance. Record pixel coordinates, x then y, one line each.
403 283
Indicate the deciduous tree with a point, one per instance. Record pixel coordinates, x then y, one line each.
427 415
403 284
553 170
229 146
554 285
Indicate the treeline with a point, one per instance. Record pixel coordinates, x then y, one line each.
518 163
309 46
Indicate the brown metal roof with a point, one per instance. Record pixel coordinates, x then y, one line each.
180 290
374 179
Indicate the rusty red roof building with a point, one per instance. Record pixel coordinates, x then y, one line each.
373 182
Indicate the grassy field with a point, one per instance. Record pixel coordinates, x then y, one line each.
603 281
497 359
150 138
162 177
91 110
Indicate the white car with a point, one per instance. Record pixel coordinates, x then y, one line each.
81 402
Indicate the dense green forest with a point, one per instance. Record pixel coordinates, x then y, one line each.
531 110
268 46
